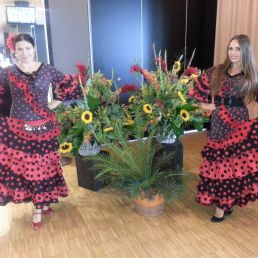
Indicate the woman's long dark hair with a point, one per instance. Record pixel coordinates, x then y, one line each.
247 62
24 37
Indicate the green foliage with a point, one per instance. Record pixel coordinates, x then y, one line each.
139 169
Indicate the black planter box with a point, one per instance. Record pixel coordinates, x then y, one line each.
86 173
177 159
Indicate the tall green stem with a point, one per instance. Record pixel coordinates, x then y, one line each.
84 94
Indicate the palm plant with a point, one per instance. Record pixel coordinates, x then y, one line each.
139 169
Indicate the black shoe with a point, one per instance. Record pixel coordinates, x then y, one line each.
228 212
216 219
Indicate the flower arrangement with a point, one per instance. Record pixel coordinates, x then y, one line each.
160 104
163 98
98 118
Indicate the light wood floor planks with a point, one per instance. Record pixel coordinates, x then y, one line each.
103 224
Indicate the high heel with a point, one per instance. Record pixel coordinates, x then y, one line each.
48 212
37 225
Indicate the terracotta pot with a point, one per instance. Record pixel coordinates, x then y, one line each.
150 207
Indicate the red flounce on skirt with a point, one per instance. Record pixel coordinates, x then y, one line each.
29 165
229 174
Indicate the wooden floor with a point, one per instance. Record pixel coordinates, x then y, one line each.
103 224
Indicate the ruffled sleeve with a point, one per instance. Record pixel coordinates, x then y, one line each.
5 94
65 86
201 89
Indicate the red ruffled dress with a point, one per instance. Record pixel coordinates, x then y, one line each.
229 174
29 159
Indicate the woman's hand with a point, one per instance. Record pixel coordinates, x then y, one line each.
54 104
208 107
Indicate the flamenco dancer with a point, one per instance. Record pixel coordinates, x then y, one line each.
29 159
228 173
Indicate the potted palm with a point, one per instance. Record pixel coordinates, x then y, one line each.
139 170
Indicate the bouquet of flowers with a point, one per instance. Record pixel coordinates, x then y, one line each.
160 104
89 121
163 99
98 118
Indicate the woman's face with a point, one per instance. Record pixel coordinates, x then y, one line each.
234 53
24 52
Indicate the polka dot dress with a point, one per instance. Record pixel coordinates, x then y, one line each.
229 171
29 161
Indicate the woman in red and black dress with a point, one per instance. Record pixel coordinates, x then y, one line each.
29 159
229 174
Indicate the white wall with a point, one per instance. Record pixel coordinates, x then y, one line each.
69 35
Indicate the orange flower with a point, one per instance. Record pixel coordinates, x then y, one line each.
87 137
151 78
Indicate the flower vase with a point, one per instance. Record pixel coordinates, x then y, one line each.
89 149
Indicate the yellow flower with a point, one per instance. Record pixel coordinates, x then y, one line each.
181 96
132 99
86 117
66 147
177 66
109 82
193 76
108 129
185 115
129 121
147 108
184 81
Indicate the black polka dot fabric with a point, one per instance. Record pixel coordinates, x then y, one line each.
29 159
229 171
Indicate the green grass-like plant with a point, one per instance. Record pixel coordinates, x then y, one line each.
139 169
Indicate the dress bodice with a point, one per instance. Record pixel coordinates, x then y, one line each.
38 84
231 85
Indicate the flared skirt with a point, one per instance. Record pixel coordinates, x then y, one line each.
29 165
229 174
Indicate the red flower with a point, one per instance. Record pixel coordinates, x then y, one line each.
83 69
191 70
136 68
10 42
128 87
159 103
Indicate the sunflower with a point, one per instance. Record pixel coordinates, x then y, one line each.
181 96
177 66
86 117
147 108
185 115
66 147
108 129
132 99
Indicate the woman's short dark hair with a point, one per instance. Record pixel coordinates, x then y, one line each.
24 37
